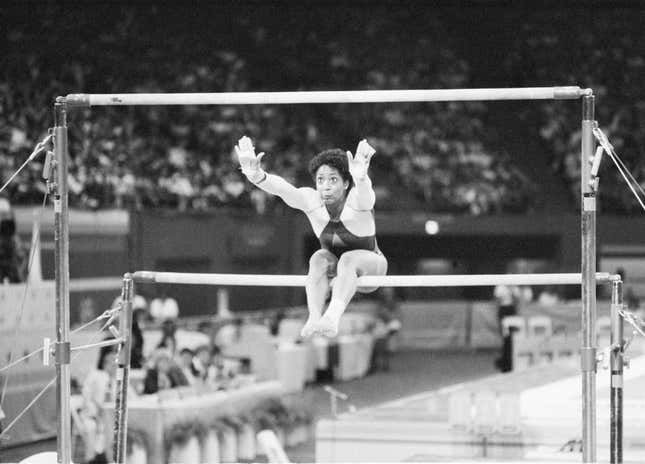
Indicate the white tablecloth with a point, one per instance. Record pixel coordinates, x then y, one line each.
354 354
152 416
292 366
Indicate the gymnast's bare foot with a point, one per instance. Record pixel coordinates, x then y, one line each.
327 326
310 326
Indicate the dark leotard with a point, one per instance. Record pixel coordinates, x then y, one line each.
337 239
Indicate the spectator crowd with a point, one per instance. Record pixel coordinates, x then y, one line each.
440 155
182 157
598 49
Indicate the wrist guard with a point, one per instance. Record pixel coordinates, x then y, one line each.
256 176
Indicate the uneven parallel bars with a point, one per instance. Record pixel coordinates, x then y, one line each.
465 280
309 97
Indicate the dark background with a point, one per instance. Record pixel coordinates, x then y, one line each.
501 178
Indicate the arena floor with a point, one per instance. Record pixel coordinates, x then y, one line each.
402 395
533 415
411 372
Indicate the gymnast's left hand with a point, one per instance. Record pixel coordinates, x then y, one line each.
359 164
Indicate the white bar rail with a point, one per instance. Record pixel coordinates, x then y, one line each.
329 96
465 280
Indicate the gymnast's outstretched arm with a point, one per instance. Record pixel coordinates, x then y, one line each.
299 198
362 196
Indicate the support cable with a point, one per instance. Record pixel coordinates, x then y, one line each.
21 312
109 314
622 169
40 147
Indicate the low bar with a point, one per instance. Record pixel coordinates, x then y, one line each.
465 280
329 96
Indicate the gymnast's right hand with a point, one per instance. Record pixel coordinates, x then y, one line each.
249 162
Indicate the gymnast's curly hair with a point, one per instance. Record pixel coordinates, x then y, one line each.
335 158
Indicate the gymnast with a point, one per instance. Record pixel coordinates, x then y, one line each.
341 213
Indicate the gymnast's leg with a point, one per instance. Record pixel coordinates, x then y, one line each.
351 265
317 287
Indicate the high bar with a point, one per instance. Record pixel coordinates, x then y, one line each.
464 280
341 96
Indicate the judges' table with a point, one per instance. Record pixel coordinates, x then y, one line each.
154 415
291 366
354 353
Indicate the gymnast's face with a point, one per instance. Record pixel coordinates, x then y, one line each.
330 185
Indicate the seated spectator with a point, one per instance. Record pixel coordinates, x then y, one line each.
163 373
203 363
168 337
229 333
228 368
187 364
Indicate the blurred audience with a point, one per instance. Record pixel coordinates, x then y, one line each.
203 362
163 372
166 158
564 50
187 364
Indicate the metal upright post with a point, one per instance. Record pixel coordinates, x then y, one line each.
616 365
588 226
61 257
123 371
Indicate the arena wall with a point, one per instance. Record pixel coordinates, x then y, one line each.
110 243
